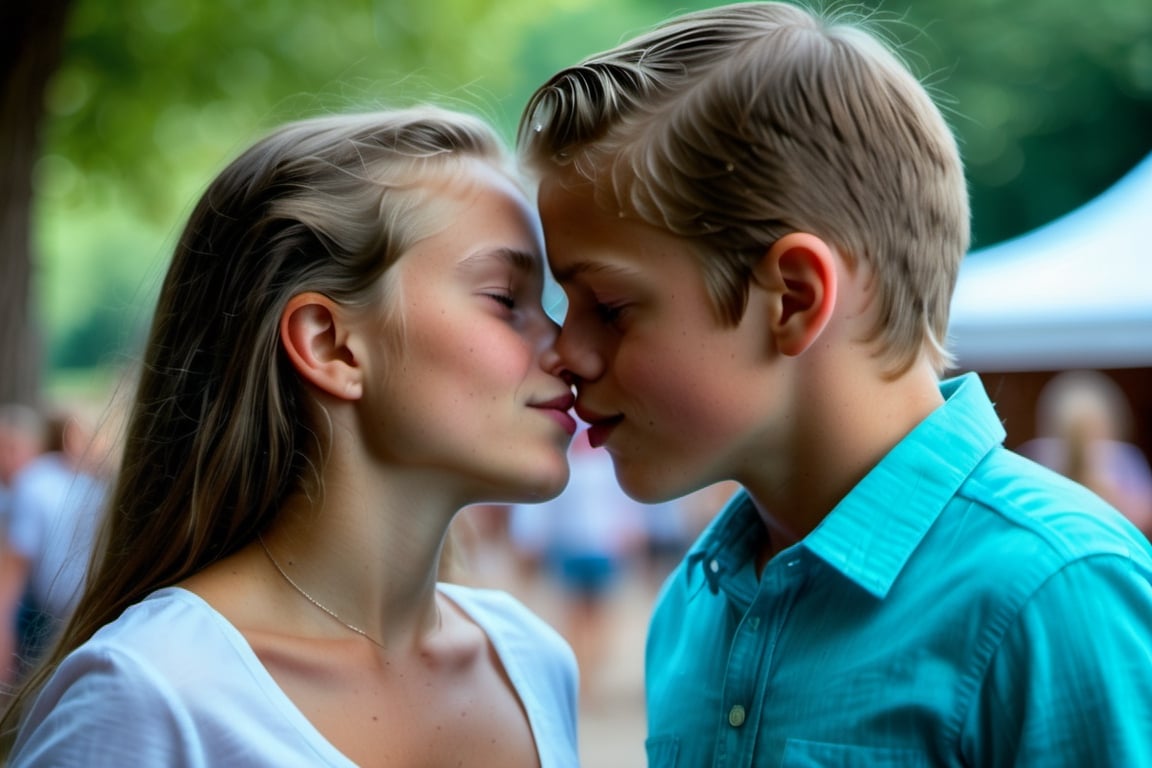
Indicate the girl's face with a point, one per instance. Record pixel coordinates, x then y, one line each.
467 395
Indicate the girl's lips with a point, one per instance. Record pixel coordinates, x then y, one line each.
563 418
557 408
599 431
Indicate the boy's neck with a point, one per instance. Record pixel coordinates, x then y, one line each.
845 429
775 542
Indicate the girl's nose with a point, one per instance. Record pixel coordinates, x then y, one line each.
573 358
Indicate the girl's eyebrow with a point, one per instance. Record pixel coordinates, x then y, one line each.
520 260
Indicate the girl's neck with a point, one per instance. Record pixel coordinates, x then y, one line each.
369 553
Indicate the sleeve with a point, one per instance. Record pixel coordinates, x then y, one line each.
1071 683
554 676
543 670
103 709
554 699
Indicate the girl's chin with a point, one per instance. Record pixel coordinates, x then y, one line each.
546 486
526 485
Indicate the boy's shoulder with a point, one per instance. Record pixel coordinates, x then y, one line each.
1064 520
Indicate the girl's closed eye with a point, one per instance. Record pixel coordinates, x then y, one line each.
504 298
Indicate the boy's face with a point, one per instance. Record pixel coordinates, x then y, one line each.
677 398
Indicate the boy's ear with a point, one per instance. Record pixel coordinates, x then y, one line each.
800 272
316 341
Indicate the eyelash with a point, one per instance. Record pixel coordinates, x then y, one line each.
609 314
503 298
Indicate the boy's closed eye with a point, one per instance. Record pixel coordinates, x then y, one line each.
610 314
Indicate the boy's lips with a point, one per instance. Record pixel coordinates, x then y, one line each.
598 433
599 426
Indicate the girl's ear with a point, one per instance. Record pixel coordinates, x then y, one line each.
316 341
800 272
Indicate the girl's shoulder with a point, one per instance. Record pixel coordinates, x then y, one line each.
169 679
496 609
171 640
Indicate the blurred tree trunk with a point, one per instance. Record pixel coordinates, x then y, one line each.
31 40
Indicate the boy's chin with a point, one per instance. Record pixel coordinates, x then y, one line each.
647 486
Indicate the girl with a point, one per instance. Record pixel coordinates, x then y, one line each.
349 347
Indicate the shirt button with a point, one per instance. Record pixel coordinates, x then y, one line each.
736 716
714 566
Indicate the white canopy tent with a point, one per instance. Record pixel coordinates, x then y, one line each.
1075 293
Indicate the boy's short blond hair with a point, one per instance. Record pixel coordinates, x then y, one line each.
737 125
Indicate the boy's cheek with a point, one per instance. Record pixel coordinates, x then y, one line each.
690 393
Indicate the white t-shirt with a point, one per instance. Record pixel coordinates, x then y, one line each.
172 683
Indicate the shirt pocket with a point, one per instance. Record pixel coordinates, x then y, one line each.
662 751
817 754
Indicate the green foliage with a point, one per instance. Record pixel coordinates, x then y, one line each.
1051 100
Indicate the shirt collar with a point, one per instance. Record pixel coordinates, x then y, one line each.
870 535
729 544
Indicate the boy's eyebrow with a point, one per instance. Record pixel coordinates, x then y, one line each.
569 271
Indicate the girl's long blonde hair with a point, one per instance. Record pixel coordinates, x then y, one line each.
218 435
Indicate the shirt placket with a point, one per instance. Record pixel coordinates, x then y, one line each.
752 654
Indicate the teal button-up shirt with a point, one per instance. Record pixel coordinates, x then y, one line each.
962 606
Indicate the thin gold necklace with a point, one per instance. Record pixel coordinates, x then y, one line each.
313 600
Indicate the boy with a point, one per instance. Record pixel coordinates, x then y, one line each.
757 216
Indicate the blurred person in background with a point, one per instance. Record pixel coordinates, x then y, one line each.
1084 429
584 541
54 514
23 437
671 528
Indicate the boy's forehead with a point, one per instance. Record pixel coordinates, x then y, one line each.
574 221
565 190
585 241
575 209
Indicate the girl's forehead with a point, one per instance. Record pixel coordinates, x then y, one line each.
478 221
